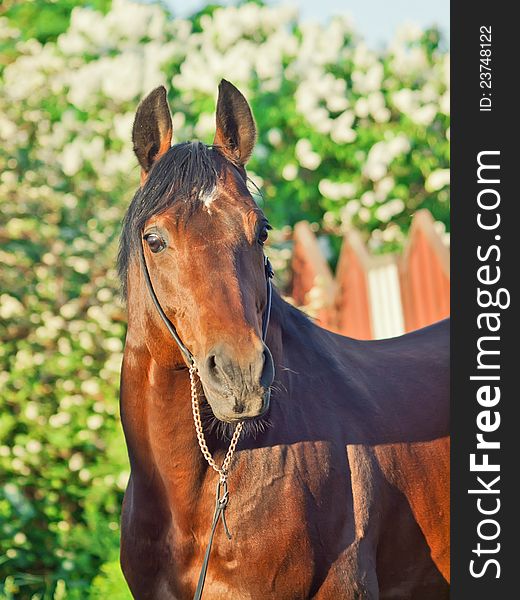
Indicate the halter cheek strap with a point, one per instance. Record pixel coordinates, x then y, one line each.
269 274
188 356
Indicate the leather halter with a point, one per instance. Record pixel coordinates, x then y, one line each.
188 356
222 493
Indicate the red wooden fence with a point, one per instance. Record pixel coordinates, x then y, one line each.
425 274
374 296
313 285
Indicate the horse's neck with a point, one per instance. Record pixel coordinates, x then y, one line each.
158 424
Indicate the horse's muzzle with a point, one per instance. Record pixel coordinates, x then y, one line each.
237 389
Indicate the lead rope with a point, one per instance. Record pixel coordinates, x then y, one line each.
222 494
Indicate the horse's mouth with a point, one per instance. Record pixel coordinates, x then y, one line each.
240 412
224 422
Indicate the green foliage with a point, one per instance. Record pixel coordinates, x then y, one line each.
109 584
44 20
346 137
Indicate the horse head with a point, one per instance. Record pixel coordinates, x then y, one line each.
200 235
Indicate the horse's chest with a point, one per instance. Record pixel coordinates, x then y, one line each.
289 514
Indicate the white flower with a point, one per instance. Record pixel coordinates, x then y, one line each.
94 422
342 131
118 162
76 462
93 149
349 210
59 420
123 76
79 264
429 93
28 75
268 63
122 480
90 387
383 188
71 160
408 61
88 23
336 191
33 446
72 42
392 233
369 81
375 170
319 118
368 199
405 100
400 144
85 340
70 309
10 307
290 172
31 411
113 344
343 135
113 364
382 154
375 101
205 125
424 115
274 137
437 180
337 103
104 295
363 57
122 124
386 211
362 109
306 156
7 128
382 115
445 66
85 475
64 346
19 538
364 214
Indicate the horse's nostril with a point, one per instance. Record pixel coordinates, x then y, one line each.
218 366
212 364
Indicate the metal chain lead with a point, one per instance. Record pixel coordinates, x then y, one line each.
223 470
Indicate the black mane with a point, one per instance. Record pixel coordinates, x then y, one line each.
185 173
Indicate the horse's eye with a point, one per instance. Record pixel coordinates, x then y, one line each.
155 243
263 234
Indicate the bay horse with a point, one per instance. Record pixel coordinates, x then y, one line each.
339 485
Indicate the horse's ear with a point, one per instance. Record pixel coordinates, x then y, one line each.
236 130
152 131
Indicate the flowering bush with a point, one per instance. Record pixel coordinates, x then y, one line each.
346 136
